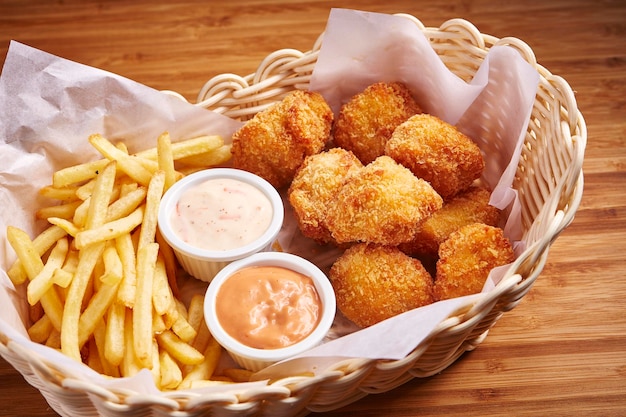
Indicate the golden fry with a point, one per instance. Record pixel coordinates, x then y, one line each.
142 310
179 350
127 289
114 348
153 199
101 196
63 211
171 375
71 313
44 279
42 243
129 164
78 173
110 230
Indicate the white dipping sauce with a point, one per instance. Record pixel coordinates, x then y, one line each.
221 214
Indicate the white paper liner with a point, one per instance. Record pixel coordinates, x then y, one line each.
50 105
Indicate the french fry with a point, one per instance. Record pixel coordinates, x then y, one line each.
171 265
54 341
205 369
179 350
129 164
114 348
126 250
171 375
44 279
96 308
195 311
56 193
142 310
26 251
69 227
130 366
64 211
126 204
78 173
42 243
162 297
73 305
110 230
33 265
165 158
213 157
186 148
181 326
101 196
113 270
151 213
99 337
80 215
40 331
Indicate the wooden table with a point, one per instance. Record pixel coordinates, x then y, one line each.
562 351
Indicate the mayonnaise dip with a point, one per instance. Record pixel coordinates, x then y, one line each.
268 307
221 214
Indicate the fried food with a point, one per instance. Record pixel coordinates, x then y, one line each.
382 203
467 257
366 122
314 187
373 283
436 152
469 206
274 143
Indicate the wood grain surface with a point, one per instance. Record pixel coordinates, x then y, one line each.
562 351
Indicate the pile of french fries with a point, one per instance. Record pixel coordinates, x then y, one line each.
101 282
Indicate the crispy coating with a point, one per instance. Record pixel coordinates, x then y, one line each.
366 122
274 143
437 152
373 283
469 206
315 186
382 203
467 257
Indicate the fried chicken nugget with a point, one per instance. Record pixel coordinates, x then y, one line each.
467 257
373 283
437 152
315 185
469 206
274 143
366 122
382 203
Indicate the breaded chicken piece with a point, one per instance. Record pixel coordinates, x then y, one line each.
315 186
436 152
366 122
382 203
469 206
373 283
467 257
274 143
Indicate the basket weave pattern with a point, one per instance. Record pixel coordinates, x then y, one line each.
549 180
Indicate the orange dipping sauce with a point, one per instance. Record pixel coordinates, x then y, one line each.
267 307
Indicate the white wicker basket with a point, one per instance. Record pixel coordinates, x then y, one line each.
550 183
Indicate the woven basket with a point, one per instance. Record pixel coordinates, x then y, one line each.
549 180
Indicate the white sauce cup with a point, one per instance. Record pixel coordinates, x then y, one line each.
202 263
255 359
